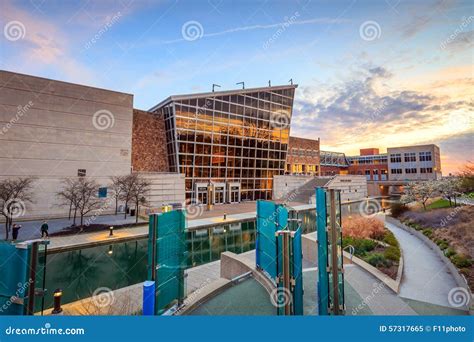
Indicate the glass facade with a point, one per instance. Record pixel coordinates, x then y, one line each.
235 140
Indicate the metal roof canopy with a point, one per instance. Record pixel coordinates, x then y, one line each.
219 93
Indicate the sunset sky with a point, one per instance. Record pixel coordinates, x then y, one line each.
370 73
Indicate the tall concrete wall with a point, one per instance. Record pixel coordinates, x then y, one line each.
353 187
166 188
283 185
50 129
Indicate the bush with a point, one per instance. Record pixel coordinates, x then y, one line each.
377 260
450 252
392 253
363 227
397 208
442 244
461 261
361 246
428 232
390 238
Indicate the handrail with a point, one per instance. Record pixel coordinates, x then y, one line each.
351 250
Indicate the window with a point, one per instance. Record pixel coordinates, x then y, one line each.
81 172
425 156
396 171
410 157
426 170
396 158
410 170
102 192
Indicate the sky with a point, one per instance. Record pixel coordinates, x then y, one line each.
369 73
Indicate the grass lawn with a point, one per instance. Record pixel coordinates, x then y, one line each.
441 203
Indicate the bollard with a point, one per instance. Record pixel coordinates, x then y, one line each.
149 298
57 310
225 216
111 231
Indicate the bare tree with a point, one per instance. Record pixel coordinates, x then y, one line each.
128 183
140 189
81 194
14 194
88 197
69 195
135 188
117 188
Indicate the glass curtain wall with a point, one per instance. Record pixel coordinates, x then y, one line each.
241 137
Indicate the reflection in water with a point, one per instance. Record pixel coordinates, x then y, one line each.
79 272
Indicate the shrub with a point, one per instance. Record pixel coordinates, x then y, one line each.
442 244
392 253
397 208
390 238
450 252
461 261
363 227
428 232
377 260
361 246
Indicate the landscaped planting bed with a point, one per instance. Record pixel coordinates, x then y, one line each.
372 243
452 230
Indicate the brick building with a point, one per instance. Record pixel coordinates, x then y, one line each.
303 156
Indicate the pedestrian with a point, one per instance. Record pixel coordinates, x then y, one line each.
44 229
15 230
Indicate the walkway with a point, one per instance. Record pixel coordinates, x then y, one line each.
425 278
31 229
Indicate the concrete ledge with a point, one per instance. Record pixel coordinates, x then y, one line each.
233 265
310 253
125 301
460 281
394 285
202 295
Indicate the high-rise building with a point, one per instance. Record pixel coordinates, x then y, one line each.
228 144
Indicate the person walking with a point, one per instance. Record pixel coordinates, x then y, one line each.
44 229
15 230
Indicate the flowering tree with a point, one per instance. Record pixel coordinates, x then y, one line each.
449 188
420 192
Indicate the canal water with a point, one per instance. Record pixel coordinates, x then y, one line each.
80 272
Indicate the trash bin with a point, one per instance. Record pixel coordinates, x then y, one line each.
132 212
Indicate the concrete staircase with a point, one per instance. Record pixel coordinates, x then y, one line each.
304 192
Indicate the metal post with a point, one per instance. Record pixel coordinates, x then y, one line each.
286 271
149 298
30 309
334 259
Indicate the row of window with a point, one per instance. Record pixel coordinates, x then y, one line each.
285 97
299 152
412 170
410 157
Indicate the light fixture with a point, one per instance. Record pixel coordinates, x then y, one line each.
57 295
111 231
